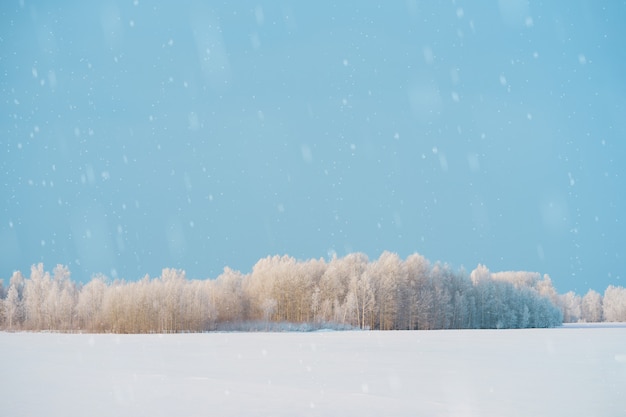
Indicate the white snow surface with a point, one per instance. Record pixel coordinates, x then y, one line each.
569 371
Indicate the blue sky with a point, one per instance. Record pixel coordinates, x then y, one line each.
139 135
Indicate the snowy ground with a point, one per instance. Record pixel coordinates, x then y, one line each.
570 371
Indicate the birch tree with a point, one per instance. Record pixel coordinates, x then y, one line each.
12 307
591 307
614 304
90 304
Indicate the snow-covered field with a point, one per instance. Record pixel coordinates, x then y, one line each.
569 371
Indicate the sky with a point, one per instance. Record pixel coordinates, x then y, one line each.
138 135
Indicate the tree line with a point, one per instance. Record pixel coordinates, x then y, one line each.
388 293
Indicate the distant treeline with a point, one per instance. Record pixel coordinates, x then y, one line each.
350 292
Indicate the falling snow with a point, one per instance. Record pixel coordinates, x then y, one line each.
245 131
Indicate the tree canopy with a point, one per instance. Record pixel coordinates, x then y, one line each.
387 293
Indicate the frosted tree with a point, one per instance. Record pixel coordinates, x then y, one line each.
463 305
520 279
197 311
330 291
12 307
509 306
524 318
230 302
360 301
16 305
614 304
417 293
546 289
316 305
36 290
387 293
260 286
268 307
293 283
571 306
335 283
481 280
388 274
442 289
545 313
172 281
3 295
147 304
205 309
49 302
308 276
89 305
480 274
61 300
518 299
591 307
284 286
486 303
112 308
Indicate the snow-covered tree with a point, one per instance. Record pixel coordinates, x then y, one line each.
571 306
90 304
61 300
591 307
387 274
480 274
335 283
417 291
36 290
614 304
230 301
387 293
13 310
308 277
520 279
360 301
546 289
